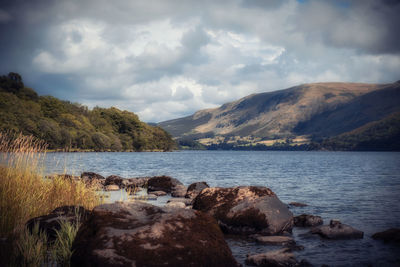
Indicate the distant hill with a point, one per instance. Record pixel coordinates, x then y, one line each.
298 116
72 126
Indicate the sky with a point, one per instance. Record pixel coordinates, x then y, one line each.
165 59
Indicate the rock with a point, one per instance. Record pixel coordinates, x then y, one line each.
297 204
112 187
115 180
179 191
50 223
91 176
279 258
390 235
151 197
277 240
162 183
175 205
186 201
140 234
138 182
245 210
159 193
195 188
305 220
337 230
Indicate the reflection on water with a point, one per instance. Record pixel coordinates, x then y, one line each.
361 189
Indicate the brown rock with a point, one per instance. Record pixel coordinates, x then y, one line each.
91 176
186 201
51 222
179 191
245 210
112 187
114 180
390 235
337 230
297 204
162 183
175 205
279 258
159 193
140 234
138 182
195 188
305 220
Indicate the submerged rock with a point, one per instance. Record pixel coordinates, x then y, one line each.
306 220
195 189
245 210
297 204
277 240
390 235
337 230
279 258
51 222
140 234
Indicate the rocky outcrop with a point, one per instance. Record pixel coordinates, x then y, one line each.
275 258
163 183
195 189
337 230
306 220
51 222
140 234
388 236
245 210
115 180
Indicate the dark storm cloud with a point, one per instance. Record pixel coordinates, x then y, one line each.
164 59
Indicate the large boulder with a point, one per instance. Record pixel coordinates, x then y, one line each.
245 210
179 191
93 179
140 234
137 182
390 235
306 220
195 189
163 183
337 230
115 180
50 223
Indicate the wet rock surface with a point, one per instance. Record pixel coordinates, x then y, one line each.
163 183
245 210
140 234
275 240
337 230
179 191
307 220
51 222
297 204
389 236
195 189
115 180
276 258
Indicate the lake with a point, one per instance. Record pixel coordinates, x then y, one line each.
361 189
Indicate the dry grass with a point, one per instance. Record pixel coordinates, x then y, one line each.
24 193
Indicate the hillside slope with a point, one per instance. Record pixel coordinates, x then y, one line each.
306 112
65 125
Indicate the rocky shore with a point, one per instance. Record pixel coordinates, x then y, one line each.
190 229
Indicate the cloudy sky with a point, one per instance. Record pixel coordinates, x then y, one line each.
164 59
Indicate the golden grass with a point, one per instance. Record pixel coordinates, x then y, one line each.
24 193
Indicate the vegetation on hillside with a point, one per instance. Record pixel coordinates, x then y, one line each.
66 125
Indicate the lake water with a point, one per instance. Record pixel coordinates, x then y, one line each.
361 189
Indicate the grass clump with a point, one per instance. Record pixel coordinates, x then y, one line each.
25 194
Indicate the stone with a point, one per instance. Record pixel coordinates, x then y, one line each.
51 222
390 235
195 189
186 201
114 180
159 193
93 180
306 220
112 187
162 183
137 182
179 191
275 240
175 205
279 258
297 204
245 210
337 230
91 176
140 234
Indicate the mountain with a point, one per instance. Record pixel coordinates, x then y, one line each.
294 116
72 126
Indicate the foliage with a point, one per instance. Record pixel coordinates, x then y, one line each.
62 248
71 126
